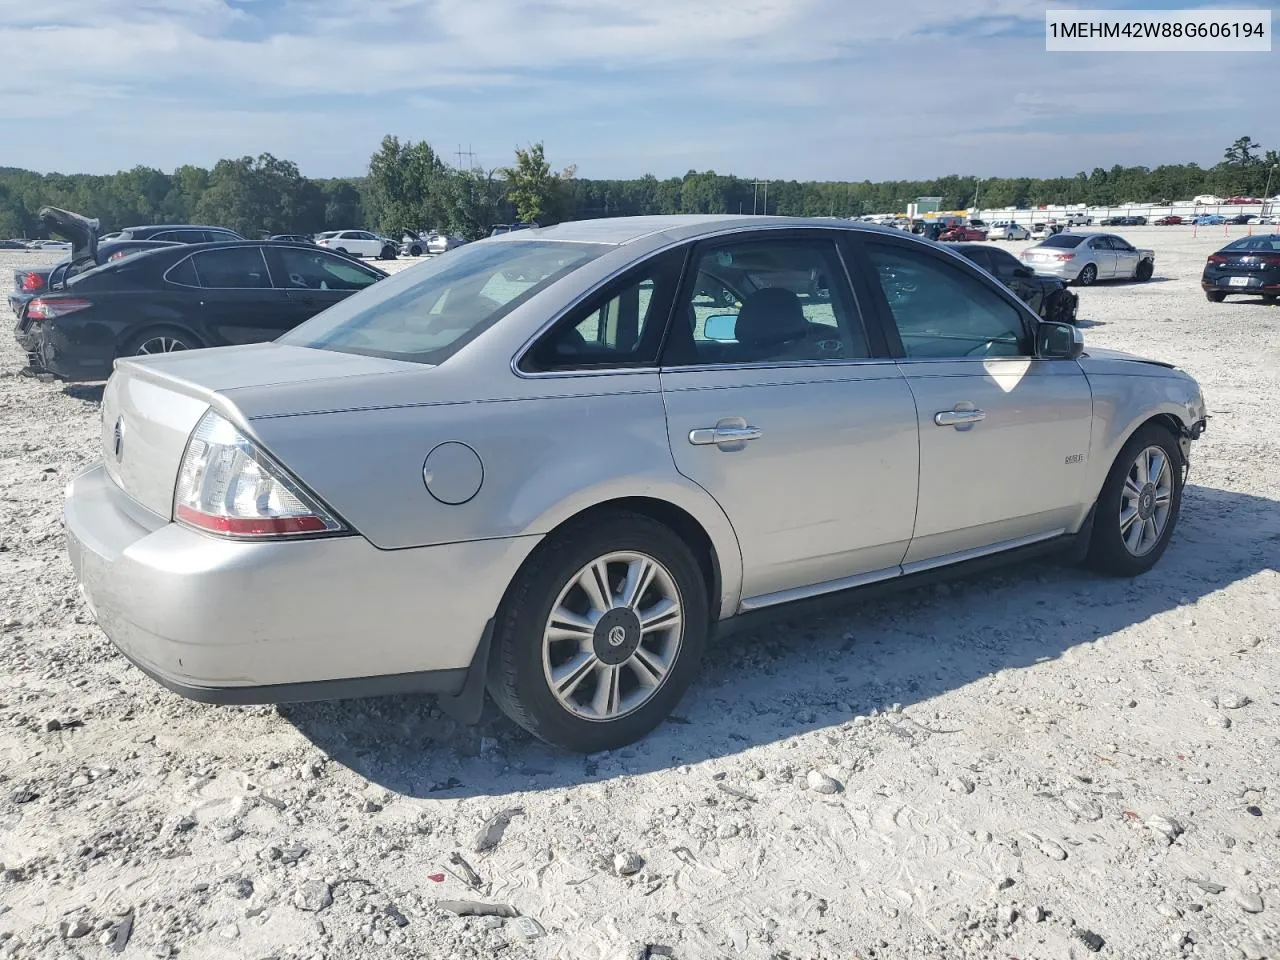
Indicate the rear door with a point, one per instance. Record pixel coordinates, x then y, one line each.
314 279
1004 436
782 406
1103 255
238 303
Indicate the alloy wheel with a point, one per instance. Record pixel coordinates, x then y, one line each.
1146 501
613 636
160 344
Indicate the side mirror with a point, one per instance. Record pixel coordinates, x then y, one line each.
721 327
1058 341
1022 271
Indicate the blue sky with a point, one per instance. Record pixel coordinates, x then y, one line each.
803 89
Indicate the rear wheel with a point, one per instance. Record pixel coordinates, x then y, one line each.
1138 507
1215 296
387 253
1088 276
598 638
157 340
1145 269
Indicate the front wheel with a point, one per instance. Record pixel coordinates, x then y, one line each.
387 253
598 637
1138 507
1145 269
1088 276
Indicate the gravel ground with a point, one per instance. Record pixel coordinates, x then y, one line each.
1036 763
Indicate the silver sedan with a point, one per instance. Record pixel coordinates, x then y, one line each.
1089 257
552 464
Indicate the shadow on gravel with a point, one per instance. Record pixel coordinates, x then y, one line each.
89 392
808 673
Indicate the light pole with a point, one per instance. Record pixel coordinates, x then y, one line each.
977 188
1266 194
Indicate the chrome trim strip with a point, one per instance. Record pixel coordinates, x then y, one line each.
817 589
947 559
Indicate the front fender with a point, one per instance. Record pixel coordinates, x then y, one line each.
1123 400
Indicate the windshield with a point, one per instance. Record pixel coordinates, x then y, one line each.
1063 240
428 313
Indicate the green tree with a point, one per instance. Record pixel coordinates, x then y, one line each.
530 184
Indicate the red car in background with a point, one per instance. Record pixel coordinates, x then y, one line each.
1170 221
963 232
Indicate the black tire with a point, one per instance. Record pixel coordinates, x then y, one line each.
415 251
159 340
1145 269
388 253
1088 276
1270 298
343 250
516 680
1215 296
1107 551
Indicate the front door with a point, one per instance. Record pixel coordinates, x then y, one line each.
314 279
1126 258
776 408
1004 437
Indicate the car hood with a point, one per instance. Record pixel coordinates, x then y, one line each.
1103 354
81 231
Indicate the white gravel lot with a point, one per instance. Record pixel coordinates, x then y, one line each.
1038 763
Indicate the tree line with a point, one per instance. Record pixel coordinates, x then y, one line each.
409 186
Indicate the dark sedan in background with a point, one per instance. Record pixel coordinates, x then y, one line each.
1250 266
182 298
1047 296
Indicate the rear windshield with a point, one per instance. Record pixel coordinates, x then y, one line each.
428 313
1063 240
1256 244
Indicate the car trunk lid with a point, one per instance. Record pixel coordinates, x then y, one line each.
81 231
151 404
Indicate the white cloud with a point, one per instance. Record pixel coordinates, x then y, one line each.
796 88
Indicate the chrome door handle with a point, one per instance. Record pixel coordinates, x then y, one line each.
724 433
952 418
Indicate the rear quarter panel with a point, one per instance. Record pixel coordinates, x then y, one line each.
550 449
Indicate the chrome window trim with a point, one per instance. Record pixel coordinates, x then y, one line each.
835 229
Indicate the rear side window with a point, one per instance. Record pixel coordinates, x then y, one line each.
184 273
236 268
620 327
220 235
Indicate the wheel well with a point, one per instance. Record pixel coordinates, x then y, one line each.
679 521
1171 423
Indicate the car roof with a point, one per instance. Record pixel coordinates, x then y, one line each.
182 250
622 230
173 226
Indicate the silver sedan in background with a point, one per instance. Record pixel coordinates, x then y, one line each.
554 463
1086 258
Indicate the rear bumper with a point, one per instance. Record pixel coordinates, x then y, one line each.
231 622
72 350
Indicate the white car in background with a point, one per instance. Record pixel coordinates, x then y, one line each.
1007 230
361 243
1086 258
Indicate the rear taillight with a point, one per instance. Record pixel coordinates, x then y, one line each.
1064 256
229 486
32 281
42 308
1217 258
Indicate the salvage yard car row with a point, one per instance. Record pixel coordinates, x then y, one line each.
686 368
